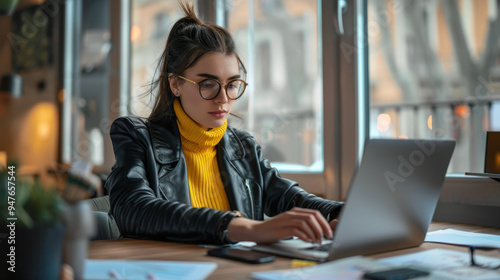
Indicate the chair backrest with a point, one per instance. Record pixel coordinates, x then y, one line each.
106 225
100 203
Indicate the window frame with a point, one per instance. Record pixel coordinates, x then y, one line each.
120 83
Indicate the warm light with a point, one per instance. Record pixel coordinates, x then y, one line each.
42 121
462 110
402 136
429 122
497 161
135 32
383 122
41 127
3 159
36 138
43 130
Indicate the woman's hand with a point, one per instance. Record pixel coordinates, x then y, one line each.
334 223
306 224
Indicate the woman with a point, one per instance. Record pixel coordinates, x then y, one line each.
183 175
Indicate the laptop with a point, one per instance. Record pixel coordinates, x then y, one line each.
491 156
390 203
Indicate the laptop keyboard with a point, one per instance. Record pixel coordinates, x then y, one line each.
324 247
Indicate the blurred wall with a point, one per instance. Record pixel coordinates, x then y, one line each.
29 125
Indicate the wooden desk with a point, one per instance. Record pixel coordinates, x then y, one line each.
227 269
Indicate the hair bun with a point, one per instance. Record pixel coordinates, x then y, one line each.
186 21
189 14
189 18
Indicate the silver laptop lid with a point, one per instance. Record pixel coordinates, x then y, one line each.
392 197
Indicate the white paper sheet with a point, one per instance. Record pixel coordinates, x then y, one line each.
464 238
147 270
344 269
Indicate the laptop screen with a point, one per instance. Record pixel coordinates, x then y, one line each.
492 164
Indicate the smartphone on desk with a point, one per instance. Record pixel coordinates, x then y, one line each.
395 274
241 255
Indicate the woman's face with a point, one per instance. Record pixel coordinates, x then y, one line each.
207 113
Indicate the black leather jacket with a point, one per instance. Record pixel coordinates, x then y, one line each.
149 191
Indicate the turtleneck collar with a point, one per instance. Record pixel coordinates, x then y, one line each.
193 137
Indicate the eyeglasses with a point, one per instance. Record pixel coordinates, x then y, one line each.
210 88
482 263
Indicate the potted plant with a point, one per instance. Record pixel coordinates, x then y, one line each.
33 233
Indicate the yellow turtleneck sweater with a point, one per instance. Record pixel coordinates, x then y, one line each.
199 147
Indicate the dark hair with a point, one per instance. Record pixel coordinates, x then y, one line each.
187 42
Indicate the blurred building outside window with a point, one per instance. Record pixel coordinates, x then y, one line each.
434 70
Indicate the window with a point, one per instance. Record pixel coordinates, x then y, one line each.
151 21
280 44
435 73
86 99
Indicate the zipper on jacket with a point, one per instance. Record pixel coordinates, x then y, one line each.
249 190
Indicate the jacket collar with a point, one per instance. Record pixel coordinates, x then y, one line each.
165 141
232 145
167 147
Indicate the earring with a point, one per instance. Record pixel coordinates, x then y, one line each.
176 94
